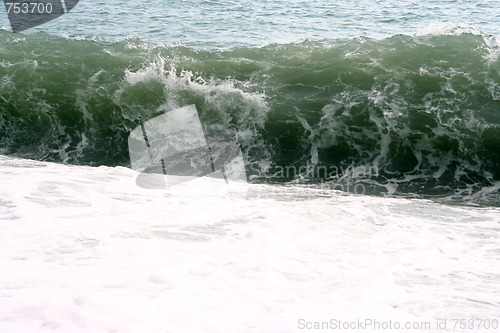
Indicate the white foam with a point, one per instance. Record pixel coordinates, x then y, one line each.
448 28
218 95
85 250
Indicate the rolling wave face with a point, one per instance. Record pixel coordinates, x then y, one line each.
416 115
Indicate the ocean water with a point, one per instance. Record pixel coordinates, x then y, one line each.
370 136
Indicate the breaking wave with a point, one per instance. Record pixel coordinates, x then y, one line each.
408 115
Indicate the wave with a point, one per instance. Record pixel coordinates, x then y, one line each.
414 115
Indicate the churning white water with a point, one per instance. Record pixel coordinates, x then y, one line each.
84 249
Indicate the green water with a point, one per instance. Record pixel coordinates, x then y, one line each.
313 97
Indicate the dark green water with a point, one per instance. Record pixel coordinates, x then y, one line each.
421 114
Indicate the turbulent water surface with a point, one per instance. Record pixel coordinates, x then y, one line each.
406 114
370 133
